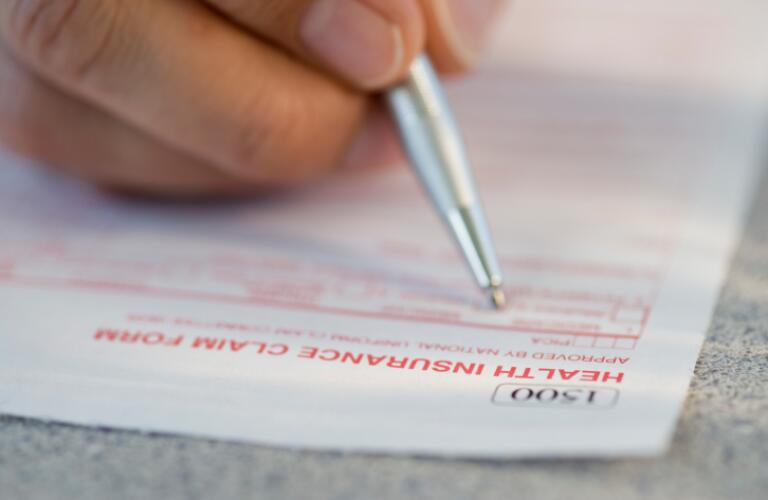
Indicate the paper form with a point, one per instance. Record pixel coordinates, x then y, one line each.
615 170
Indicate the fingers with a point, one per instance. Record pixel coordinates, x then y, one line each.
191 80
368 43
41 122
202 93
457 30
44 123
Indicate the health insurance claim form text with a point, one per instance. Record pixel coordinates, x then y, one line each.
615 143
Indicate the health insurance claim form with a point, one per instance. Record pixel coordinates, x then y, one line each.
616 144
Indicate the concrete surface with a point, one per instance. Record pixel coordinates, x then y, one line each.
720 449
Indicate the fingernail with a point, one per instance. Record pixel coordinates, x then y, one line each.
466 24
354 39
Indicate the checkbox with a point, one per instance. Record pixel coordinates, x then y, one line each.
625 343
604 342
582 341
630 314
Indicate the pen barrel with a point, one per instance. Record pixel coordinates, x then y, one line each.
433 143
431 137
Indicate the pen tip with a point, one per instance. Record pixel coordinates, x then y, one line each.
498 299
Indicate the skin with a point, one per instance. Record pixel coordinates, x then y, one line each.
202 98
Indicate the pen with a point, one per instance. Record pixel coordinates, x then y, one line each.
435 148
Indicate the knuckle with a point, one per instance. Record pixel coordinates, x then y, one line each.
297 133
63 37
36 25
273 148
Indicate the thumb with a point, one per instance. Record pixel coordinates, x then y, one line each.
457 30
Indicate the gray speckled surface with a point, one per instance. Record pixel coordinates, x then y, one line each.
720 449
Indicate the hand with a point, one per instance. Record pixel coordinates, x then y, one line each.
193 97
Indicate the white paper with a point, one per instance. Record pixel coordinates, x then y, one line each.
616 145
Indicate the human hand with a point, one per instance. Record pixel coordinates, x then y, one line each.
193 97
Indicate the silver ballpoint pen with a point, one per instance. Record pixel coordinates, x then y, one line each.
434 145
